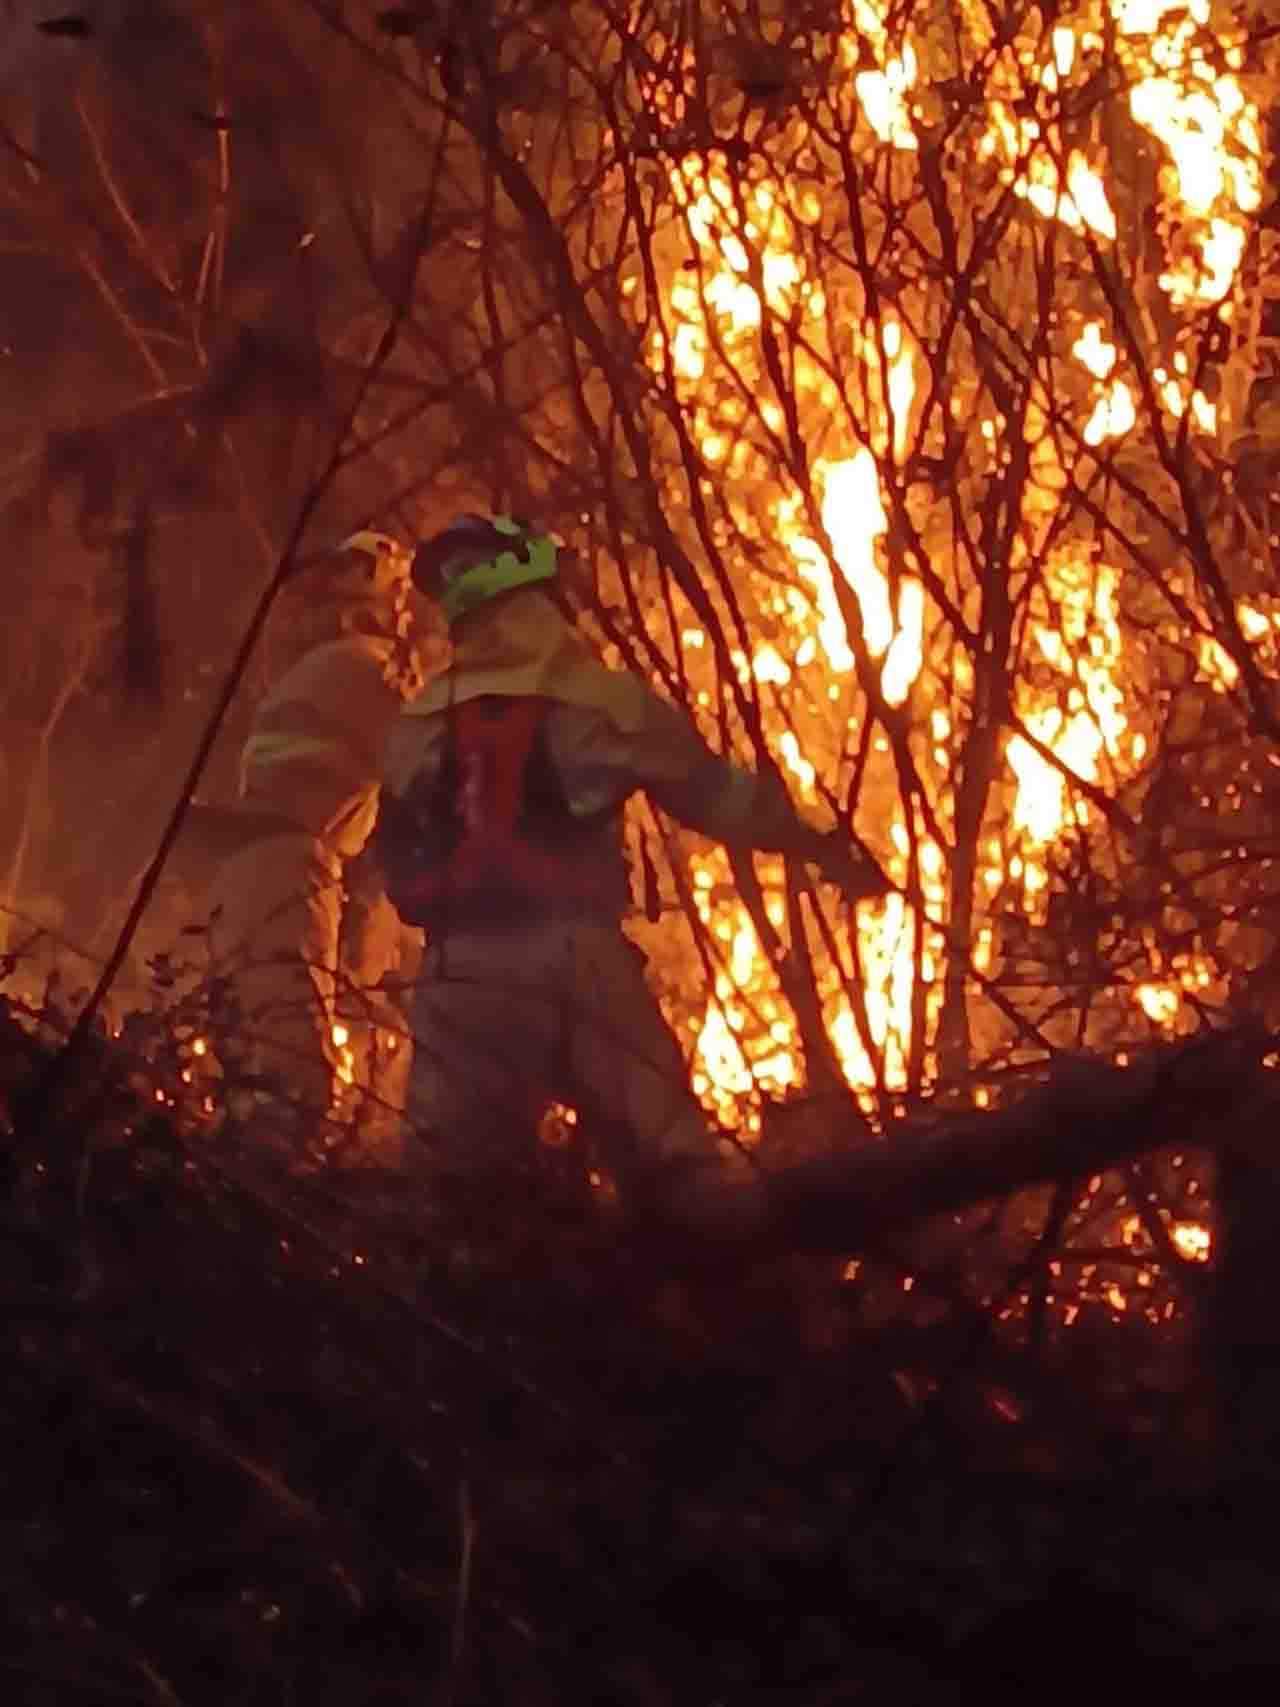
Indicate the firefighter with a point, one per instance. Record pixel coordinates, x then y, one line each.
308 800
504 785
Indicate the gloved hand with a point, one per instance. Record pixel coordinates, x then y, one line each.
849 867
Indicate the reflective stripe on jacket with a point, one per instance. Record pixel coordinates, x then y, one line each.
314 752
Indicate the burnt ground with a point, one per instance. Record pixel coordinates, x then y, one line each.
273 1439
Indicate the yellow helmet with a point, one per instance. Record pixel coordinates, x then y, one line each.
366 568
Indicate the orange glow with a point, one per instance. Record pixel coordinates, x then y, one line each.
1212 132
1161 1003
859 381
345 1070
1192 1241
883 95
1083 645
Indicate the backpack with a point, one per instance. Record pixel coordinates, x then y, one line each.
491 838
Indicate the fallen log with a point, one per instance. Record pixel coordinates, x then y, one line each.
1215 1091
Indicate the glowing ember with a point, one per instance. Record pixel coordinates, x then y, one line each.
1161 1003
1192 1241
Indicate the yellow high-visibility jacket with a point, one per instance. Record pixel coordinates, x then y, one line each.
608 734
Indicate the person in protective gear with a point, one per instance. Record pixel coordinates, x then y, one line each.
504 785
309 780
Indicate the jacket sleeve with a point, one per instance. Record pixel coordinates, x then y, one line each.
312 755
656 748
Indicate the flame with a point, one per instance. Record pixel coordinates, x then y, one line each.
1094 351
768 665
1084 644
1255 624
886 958
854 517
1040 805
720 1056
1215 663
1162 1003
1212 133
1114 415
345 1069
1196 108
747 236
1192 1241
1031 152
883 95
1173 394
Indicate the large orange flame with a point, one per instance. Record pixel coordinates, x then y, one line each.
743 237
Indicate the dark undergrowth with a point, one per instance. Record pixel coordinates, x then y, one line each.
277 1438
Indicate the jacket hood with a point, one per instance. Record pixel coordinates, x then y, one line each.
521 645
